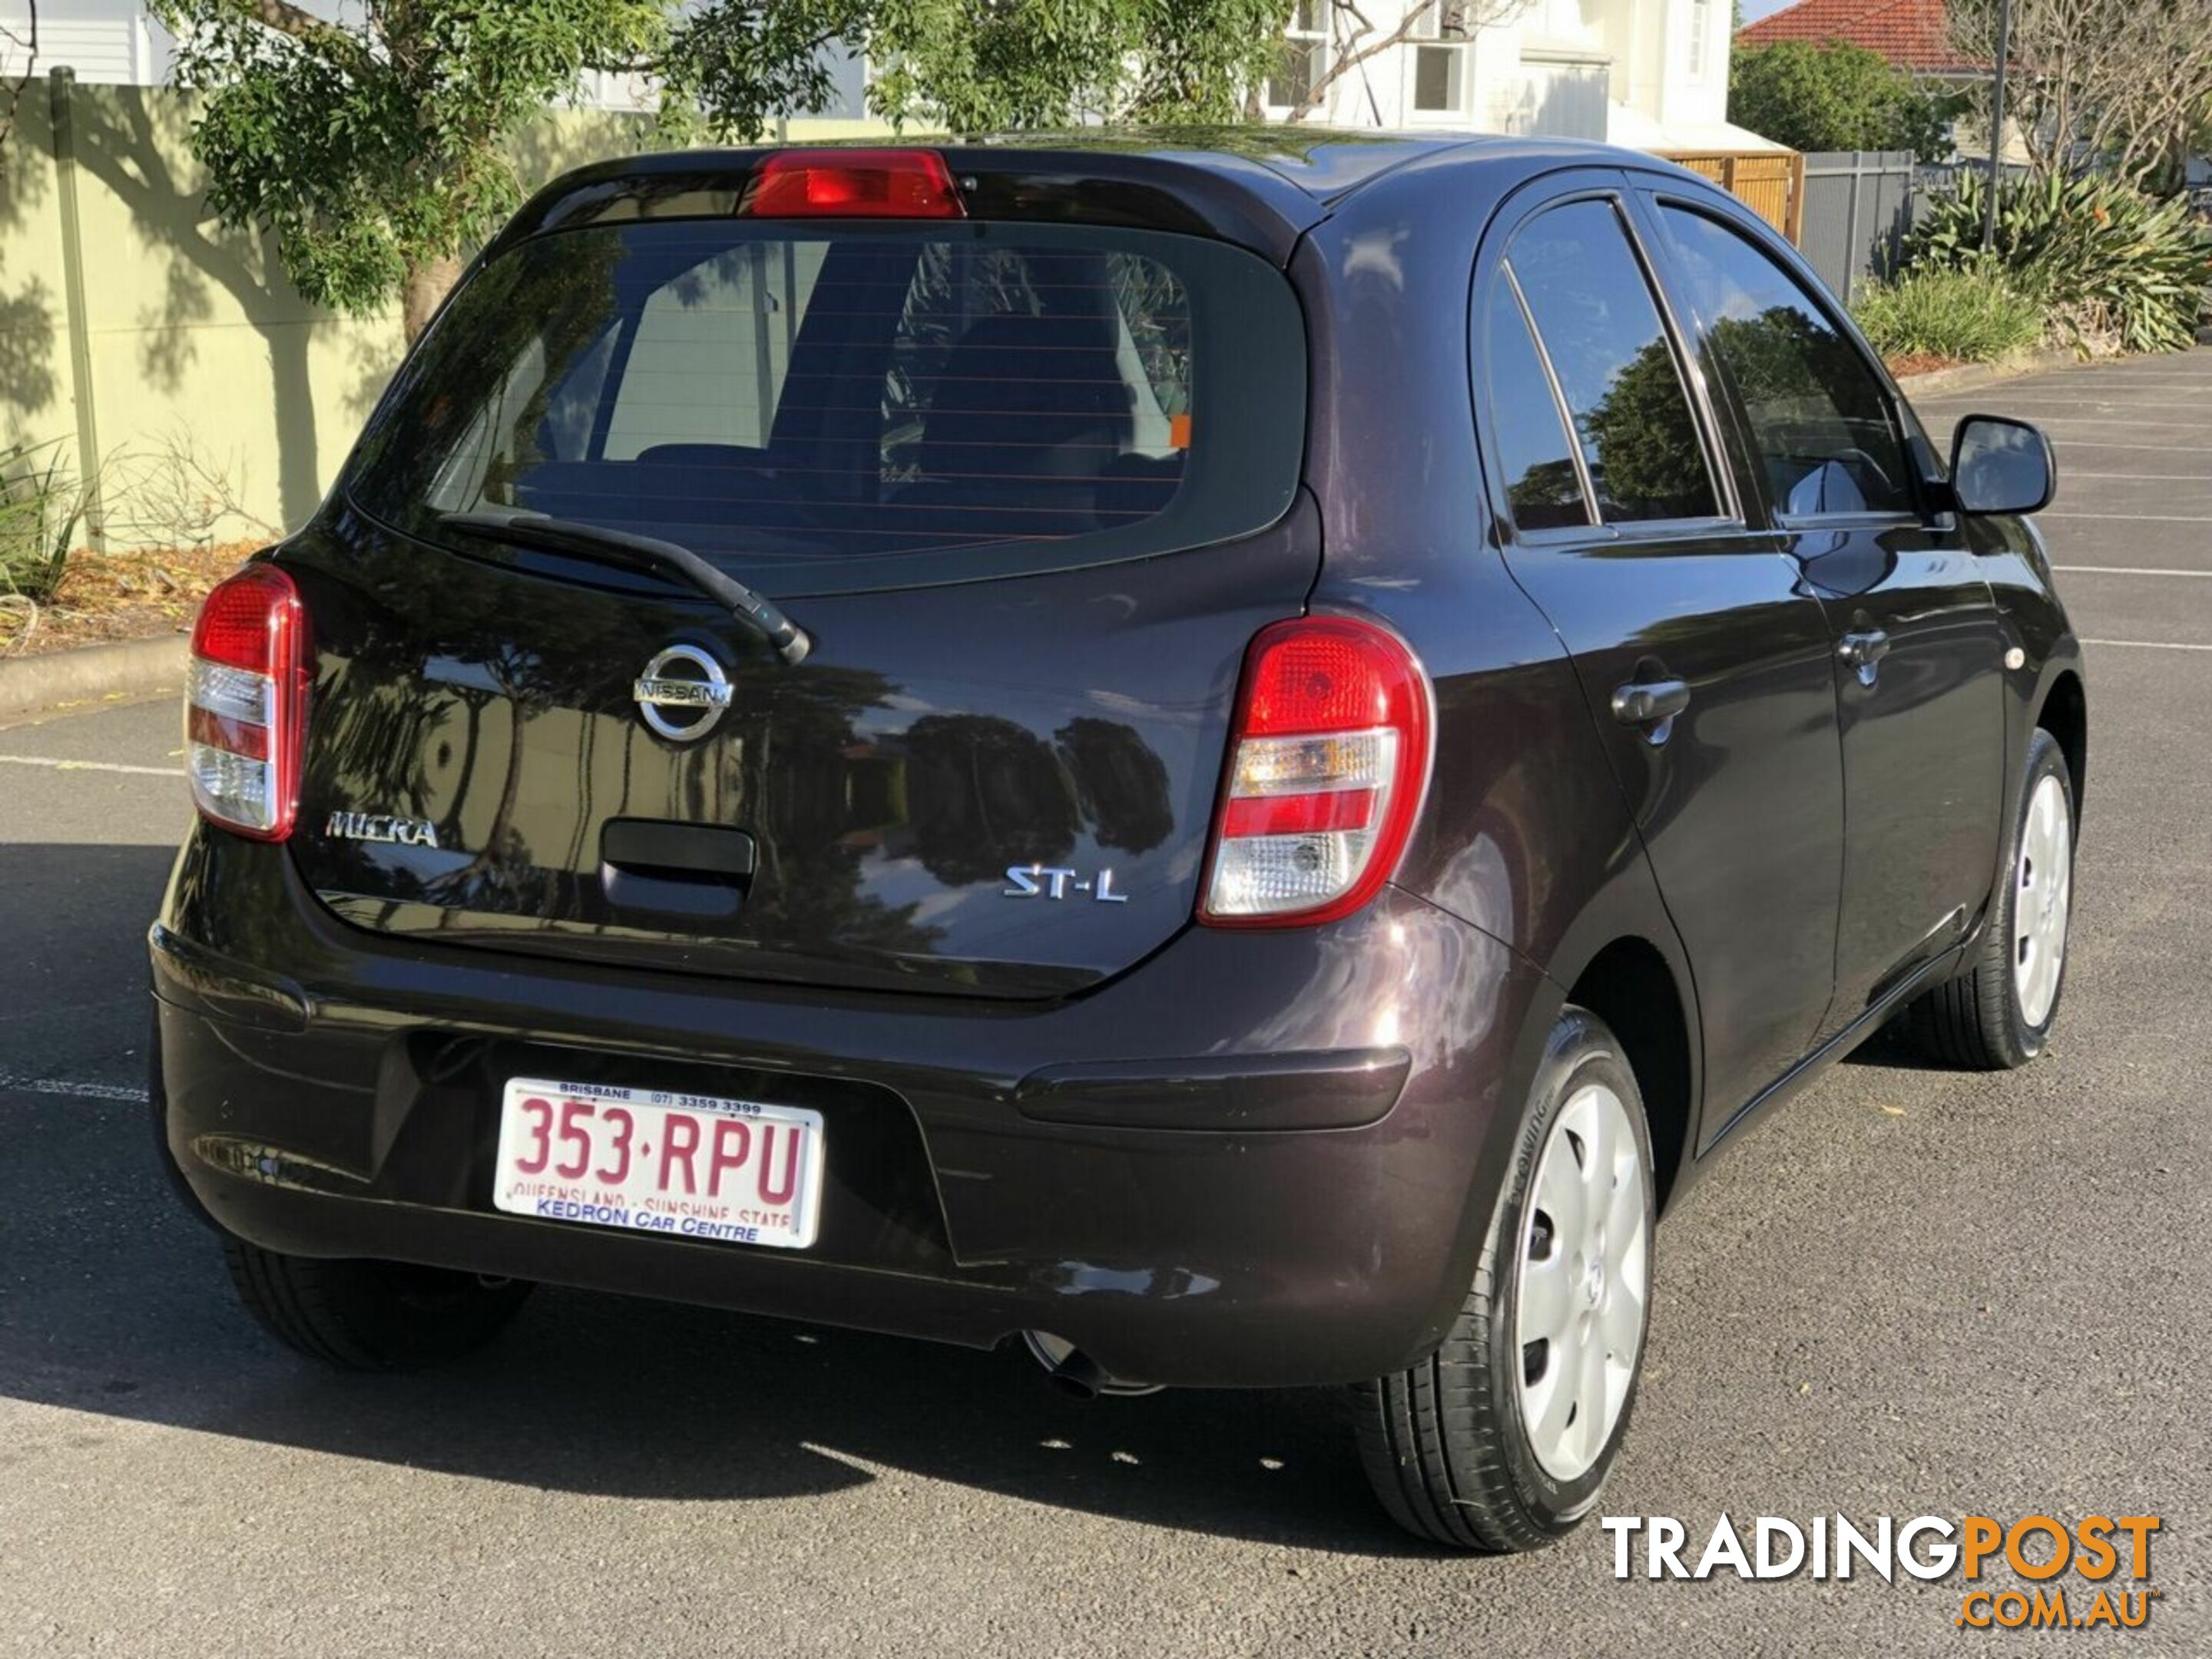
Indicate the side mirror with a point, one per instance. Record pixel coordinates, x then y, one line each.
2000 465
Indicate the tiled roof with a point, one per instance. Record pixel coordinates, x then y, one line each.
1913 34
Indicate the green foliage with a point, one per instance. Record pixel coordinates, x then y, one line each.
736 64
40 506
1645 453
375 148
2111 265
1836 97
1970 313
975 65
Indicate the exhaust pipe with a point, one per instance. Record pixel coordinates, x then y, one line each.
1075 1373
1077 1376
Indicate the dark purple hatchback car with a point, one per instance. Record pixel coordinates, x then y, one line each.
1232 762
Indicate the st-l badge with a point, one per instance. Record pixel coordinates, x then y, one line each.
1055 881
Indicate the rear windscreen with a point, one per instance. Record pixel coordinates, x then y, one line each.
821 409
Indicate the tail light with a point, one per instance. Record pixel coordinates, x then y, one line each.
246 703
1329 761
853 184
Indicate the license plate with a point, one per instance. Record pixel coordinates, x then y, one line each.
656 1161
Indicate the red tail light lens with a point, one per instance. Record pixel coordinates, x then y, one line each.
853 184
1326 766
245 704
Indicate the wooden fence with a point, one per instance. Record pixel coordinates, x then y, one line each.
1771 183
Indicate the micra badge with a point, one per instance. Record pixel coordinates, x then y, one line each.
382 826
1051 882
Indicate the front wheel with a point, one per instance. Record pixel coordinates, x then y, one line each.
1501 1440
1999 1013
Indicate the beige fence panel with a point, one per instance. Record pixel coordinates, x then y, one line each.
1771 183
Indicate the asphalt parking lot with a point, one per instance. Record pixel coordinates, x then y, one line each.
1913 1292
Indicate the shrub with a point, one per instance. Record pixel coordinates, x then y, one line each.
1836 96
1971 314
2105 261
40 506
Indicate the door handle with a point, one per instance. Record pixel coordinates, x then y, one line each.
1653 703
1862 651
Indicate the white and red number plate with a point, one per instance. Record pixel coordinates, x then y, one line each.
649 1160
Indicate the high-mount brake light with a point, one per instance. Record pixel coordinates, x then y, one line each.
246 703
1326 766
852 184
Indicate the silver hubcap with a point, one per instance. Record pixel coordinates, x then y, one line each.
1585 1263
2043 889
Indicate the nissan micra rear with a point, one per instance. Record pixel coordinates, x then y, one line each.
1227 762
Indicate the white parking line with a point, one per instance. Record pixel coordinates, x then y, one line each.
2136 518
2163 449
64 1087
2196 403
58 765
2129 570
2150 645
2066 418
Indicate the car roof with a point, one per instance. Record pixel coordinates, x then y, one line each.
1261 186
1326 163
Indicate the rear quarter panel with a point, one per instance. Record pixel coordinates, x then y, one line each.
1525 834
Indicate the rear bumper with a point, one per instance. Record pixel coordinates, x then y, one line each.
1256 1159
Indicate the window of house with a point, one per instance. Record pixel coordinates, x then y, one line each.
1442 54
1594 311
1821 427
1306 57
1701 32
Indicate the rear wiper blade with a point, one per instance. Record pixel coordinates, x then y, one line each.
647 553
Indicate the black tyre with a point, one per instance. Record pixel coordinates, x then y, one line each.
1998 1014
1502 1439
371 1316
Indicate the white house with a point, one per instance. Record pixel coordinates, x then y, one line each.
1649 74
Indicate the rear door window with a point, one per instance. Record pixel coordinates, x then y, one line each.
1543 486
1821 430
1599 327
823 409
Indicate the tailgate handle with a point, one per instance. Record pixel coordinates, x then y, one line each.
696 869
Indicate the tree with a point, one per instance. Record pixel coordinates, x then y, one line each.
19 37
2124 86
376 146
1644 454
975 65
1836 96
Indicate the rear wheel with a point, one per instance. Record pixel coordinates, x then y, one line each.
371 1316
1998 1014
1501 1440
